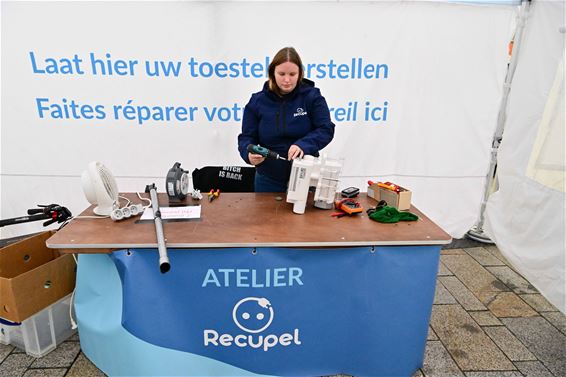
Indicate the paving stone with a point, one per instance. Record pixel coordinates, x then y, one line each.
438 362
443 271
496 253
539 303
15 365
472 274
462 294
62 356
487 297
484 257
485 318
54 372
557 319
18 350
418 373
513 280
5 351
84 367
74 338
542 339
470 347
533 369
431 335
511 346
508 304
452 252
442 296
493 374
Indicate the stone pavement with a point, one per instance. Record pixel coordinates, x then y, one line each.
487 321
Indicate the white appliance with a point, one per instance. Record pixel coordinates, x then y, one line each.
322 173
100 188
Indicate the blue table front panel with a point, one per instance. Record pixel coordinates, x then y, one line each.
280 311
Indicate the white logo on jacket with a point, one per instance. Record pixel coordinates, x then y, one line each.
300 112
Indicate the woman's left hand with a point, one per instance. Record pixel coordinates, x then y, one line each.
295 152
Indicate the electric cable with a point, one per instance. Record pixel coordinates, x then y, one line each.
91 217
73 322
123 197
147 199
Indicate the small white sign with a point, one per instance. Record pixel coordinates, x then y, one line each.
170 213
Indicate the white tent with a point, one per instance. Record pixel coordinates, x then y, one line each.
525 216
415 91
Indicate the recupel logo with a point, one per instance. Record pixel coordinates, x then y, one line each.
300 112
253 314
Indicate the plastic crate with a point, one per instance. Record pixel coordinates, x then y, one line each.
42 332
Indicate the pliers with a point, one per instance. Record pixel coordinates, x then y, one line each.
213 194
380 205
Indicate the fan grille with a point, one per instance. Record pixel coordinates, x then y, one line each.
108 181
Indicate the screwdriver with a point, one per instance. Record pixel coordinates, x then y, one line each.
256 149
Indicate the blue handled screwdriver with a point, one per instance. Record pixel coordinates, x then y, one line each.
256 149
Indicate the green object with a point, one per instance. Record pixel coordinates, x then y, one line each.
392 215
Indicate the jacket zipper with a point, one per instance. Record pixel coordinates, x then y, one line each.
277 120
284 123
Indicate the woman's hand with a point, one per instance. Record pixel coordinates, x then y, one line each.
295 152
255 159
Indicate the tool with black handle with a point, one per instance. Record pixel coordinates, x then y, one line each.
52 212
164 265
256 149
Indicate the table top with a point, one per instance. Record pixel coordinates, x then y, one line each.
246 220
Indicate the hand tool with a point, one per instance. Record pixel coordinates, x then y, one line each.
52 213
389 186
386 185
256 149
213 194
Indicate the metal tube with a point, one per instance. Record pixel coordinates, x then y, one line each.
476 232
164 264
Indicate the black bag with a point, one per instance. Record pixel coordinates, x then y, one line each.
225 178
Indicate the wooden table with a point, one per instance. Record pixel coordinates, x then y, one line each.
346 295
247 219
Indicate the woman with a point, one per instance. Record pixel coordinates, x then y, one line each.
289 116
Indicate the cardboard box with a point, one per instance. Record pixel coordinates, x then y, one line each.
32 277
400 200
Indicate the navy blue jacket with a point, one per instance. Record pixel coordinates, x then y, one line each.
300 117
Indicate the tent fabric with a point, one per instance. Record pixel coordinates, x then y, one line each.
497 2
526 215
446 63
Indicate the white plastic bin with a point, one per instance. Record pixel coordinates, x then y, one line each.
39 334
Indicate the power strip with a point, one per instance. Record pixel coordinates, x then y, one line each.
126 212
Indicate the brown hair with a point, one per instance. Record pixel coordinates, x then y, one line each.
286 54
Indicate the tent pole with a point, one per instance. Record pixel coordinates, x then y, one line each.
477 233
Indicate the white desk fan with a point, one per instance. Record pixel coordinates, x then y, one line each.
100 188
